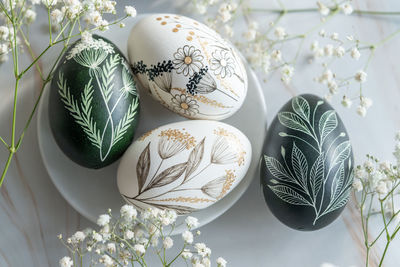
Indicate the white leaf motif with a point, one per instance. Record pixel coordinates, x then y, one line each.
317 174
327 123
277 170
293 121
341 153
289 195
300 165
301 107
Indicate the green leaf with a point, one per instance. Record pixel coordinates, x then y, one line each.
327 123
293 121
341 153
289 195
317 174
301 107
300 164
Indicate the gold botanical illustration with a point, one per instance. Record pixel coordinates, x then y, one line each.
177 178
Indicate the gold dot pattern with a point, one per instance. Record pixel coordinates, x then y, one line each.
179 136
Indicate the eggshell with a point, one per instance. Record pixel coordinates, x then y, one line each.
94 106
307 164
185 166
187 67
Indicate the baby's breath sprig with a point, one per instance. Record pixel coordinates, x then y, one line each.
377 188
126 240
67 19
264 47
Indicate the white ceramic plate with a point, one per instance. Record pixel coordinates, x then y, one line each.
92 192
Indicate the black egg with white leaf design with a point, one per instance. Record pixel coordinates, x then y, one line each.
307 164
94 105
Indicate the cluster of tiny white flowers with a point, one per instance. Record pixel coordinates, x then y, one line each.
62 14
335 49
129 238
378 177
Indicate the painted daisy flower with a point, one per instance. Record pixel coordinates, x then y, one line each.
185 105
222 64
187 60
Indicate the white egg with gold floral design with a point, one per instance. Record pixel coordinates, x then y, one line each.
185 166
187 67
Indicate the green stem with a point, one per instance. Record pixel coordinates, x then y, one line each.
4 142
384 253
10 156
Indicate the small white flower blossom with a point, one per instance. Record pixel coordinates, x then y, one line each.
128 212
139 249
287 74
191 222
201 8
355 53
322 33
276 55
4 33
339 51
56 16
187 236
97 237
202 249
186 254
323 9
357 185
280 33
206 262
66 262
328 50
30 16
224 12
107 260
111 247
78 237
347 8
314 46
346 102
250 35
168 242
366 102
130 11
360 76
221 262
103 219
381 188
362 111
129 235
335 36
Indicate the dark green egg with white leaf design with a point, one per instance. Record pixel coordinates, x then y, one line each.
94 105
307 164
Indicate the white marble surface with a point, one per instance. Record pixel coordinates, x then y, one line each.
32 212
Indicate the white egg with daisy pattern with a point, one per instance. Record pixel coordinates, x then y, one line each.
187 67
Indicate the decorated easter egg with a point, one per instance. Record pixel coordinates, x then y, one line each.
94 105
307 164
187 67
184 166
